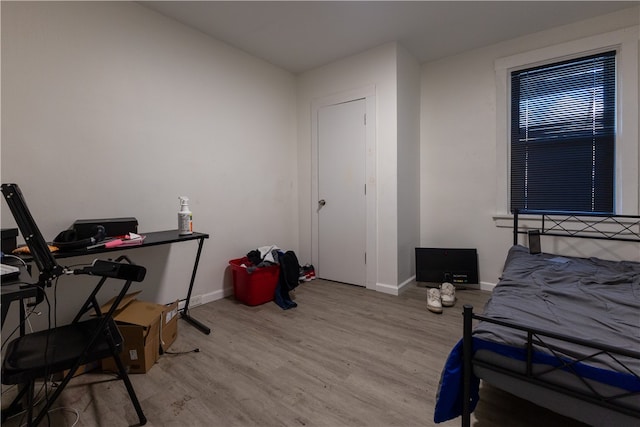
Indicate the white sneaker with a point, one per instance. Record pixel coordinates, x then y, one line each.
433 300
447 294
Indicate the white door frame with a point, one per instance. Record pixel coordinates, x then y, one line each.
367 93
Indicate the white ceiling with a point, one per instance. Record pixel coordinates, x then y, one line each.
302 35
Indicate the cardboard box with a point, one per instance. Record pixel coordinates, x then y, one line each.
83 369
139 323
169 325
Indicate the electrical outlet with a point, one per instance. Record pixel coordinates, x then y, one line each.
195 300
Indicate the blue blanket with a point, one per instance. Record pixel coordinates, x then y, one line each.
450 391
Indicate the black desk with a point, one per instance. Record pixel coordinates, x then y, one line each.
156 238
16 291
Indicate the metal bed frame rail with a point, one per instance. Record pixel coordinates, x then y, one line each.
539 339
624 228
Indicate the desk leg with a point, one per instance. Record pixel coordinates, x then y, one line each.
185 311
23 317
5 310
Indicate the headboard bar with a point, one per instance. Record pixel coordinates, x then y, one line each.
624 228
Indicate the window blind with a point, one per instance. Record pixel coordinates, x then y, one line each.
563 135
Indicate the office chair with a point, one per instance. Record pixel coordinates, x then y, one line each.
40 354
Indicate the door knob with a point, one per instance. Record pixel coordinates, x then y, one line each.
322 202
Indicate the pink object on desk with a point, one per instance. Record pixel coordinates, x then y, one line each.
113 243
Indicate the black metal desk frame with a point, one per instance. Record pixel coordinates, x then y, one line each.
156 238
16 291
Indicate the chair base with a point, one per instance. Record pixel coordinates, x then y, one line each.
40 354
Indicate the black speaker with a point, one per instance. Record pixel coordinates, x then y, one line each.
437 265
113 227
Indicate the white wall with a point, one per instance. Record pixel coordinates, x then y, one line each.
408 164
458 143
376 67
110 110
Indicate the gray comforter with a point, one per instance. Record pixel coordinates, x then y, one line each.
592 299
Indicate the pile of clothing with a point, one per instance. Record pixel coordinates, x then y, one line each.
263 256
291 272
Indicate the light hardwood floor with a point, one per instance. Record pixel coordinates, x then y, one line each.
344 357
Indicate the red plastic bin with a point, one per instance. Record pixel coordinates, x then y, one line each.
257 287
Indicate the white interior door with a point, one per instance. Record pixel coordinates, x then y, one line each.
342 238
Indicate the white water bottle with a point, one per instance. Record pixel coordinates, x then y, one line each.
185 218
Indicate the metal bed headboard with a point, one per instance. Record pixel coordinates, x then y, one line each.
581 225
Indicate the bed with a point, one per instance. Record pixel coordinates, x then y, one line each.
560 331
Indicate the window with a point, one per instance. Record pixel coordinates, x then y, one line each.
563 134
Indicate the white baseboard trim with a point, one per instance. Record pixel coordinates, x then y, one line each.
395 290
387 289
213 296
197 300
405 285
482 286
486 286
